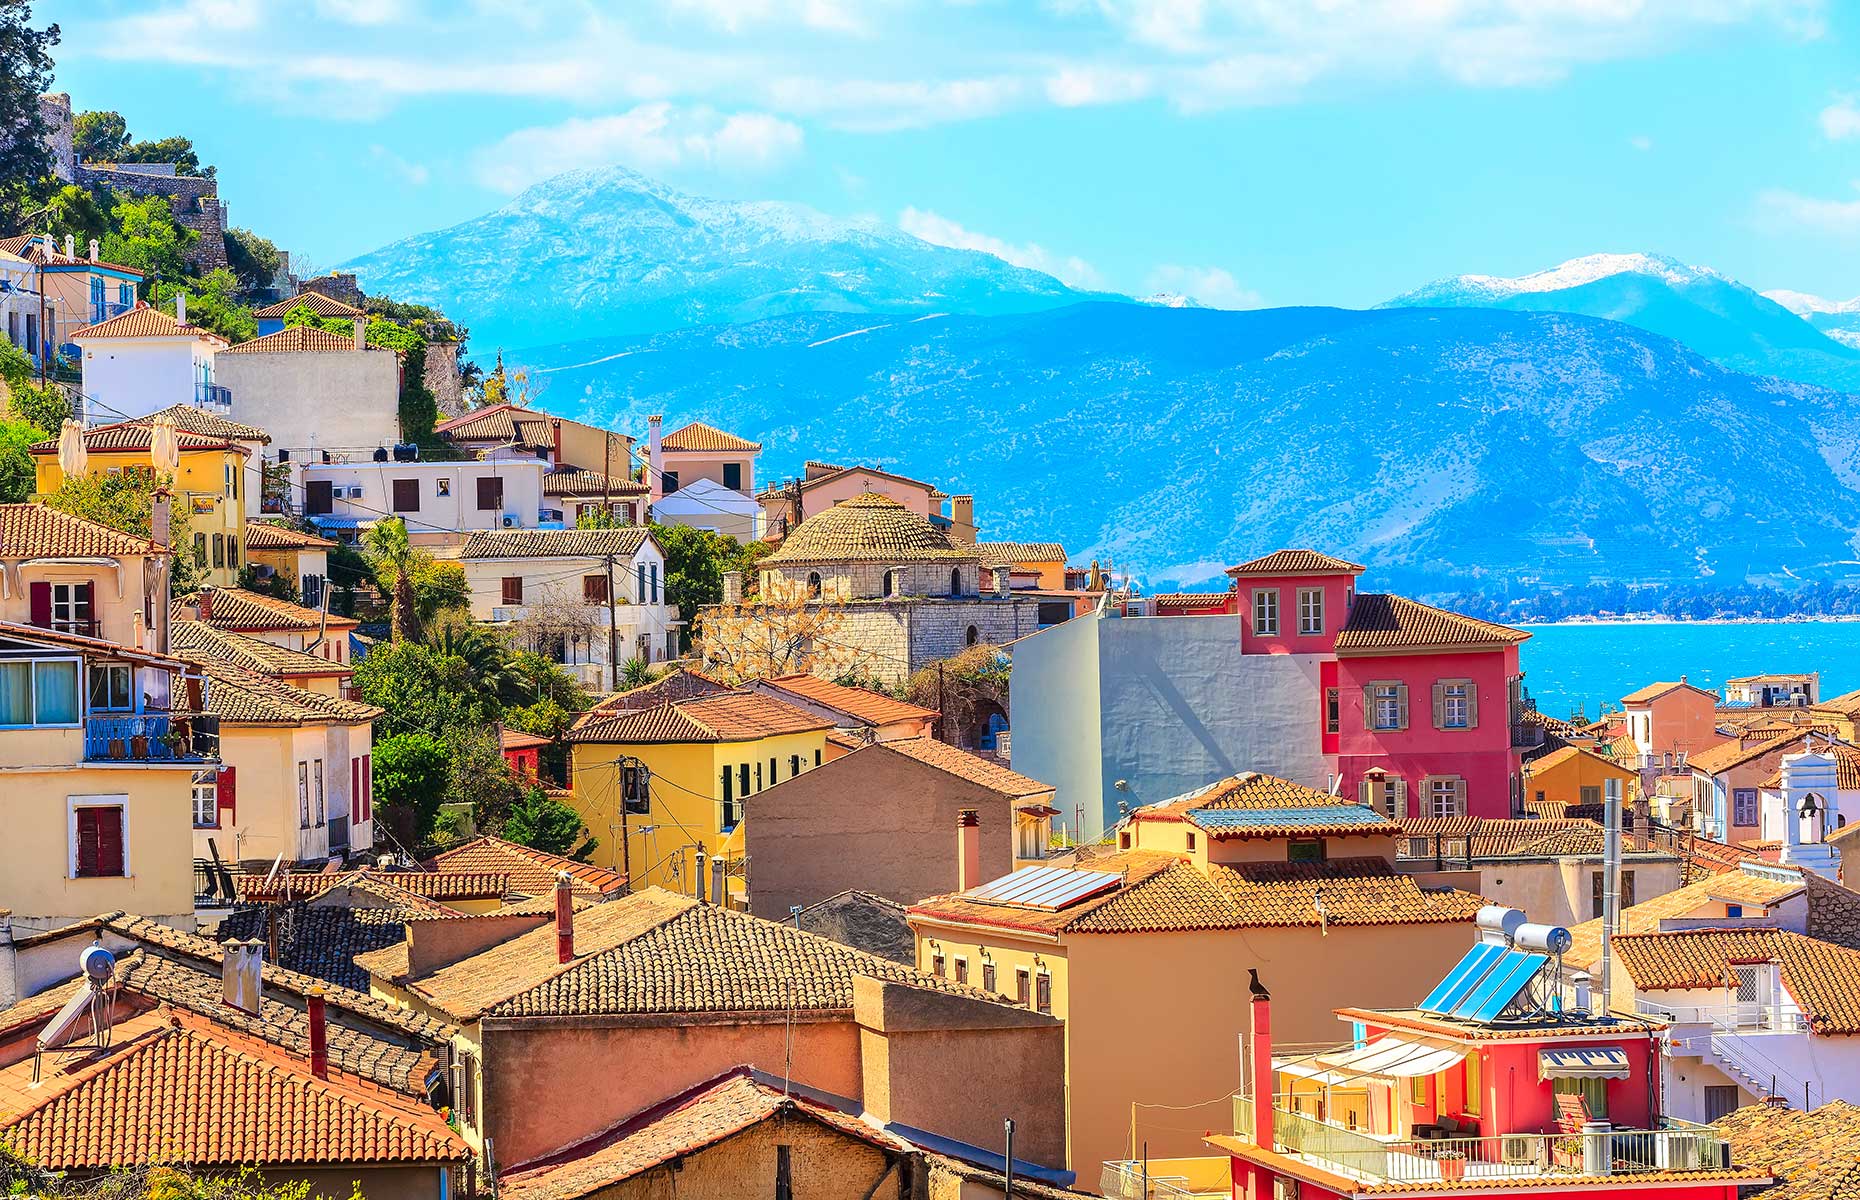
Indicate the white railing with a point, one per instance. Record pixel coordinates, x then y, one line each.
1129 1180
1728 1044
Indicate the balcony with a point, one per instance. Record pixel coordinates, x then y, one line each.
151 738
213 398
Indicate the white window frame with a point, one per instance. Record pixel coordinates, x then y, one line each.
1265 612
69 604
83 697
1310 612
1393 699
206 788
322 805
303 793
109 800
1440 786
1455 692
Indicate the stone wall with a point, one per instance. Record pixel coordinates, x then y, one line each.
338 286
866 580
940 627
442 379
60 129
194 200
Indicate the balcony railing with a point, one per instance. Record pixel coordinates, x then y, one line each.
1133 1180
1676 1145
80 626
151 737
213 398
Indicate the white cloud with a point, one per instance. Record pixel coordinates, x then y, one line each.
1787 211
1641 142
648 137
739 16
932 227
1212 286
407 172
1841 119
1080 85
881 105
363 12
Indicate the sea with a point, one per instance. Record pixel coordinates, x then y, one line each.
1584 664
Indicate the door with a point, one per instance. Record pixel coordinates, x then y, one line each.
319 498
1720 1101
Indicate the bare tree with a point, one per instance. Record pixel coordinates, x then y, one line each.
779 632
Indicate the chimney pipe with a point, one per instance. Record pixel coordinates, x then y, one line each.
703 877
361 333
962 518
564 919
93 249
717 895
1259 1059
180 308
732 587
70 247
655 459
204 601
319 1035
968 849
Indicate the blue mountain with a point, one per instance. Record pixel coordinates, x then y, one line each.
1446 447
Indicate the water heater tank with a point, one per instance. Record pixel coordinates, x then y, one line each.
1497 923
1544 939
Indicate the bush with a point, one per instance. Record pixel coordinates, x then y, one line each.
412 771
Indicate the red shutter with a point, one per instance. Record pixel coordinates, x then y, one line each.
228 797
355 791
86 842
87 605
109 841
42 605
368 787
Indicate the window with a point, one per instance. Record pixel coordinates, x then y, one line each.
1744 806
219 549
303 795
1333 711
937 963
816 758
1386 706
1389 796
1720 1101
890 585
813 585
513 589
200 549
1310 611
1596 899
39 693
406 495
206 801
1474 1084
232 551
729 798
1592 1092
1123 841
468 1089
98 849
955 581
232 481
655 582
490 494
1266 612
1305 850
112 687
71 609
972 636
442 487
1191 839
126 294
1023 987
962 970
988 976
773 773
1421 1091
316 772
1589 795
319 497
594 589
1053 612
742 778
733 476
1453 704
670 480
1446 797
639 582
794 765
1043 993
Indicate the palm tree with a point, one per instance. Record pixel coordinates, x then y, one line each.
488 658
393 558
637 672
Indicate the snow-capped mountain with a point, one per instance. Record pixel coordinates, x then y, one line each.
1709 312
1839 319
609 251
1170 300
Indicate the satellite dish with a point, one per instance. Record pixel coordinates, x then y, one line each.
97 963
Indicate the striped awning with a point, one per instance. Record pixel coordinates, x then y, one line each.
1583 1062
1394 1057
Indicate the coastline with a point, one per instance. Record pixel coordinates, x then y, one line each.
1655 619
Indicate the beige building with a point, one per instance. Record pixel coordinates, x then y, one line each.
314 391
822 485
299 558
589 468
698 475
442 503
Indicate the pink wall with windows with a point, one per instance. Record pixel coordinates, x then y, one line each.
1480 755
1337 591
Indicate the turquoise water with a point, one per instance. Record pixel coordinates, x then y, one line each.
1570 665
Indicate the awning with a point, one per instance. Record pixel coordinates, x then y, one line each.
1396 1057
1583 1062
1310 1070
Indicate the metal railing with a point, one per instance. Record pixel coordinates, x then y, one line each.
1729 1046
213 397
1128 1180
151 737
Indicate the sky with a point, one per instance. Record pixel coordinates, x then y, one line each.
1244 152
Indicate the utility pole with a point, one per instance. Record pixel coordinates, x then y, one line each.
939 702
613 633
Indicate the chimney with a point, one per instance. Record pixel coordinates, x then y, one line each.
564 919
555 427
1004 581
1259 1059
732 587
717 894
962 518
70 247
93 249
703 877
180 308
968 849
655 459
1584 998
242 975
9 969
319 1035
361 333
204 601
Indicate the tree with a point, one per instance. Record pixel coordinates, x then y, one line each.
637 672
25 159
75 211
423 690
541 822
125 502
486 656
966 691
44 408
545 718
782 632
100 137
695 560
177 150
412 771
255 260
438 587
144 234
213 303
394 561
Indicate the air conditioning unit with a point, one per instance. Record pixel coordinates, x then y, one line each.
510 520
1520 1149
355 492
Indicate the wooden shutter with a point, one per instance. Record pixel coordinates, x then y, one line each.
87 604
368 787
100 842
406 495
1440 704
1459 797
355 791
1472 705
41 605
228 797
1401 698
1369 706
86 842
1366 793
513 589
490 494
319 497
594 589
1401 799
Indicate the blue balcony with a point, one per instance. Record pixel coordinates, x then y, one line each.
213 398
151 738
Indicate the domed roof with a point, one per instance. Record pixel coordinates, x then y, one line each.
867 528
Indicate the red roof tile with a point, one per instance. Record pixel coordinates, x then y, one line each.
35 531
1296 562
727 717
531 872
701 437
873 708
143 321
1379 621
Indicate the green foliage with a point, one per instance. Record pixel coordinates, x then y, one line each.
348 570
125 501
177 150
255 260
75 211
542 822
438 587
637 672
27 53
394 561
969 687
143 234
548 681
41 407
100 136
412 771
212 303
481 777
422 689
487 655
18 473
275 585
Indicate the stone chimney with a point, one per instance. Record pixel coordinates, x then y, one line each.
361 333
655 459
968 849
1004 578
718 895
203 600
962 518
319 1034
242 975
180 308
732 587
93 249
564 919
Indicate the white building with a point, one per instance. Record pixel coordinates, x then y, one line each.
551 587
143 360
314 391
20 303
1813 794
443 503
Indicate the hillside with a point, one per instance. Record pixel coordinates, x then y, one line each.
1445 447
607 251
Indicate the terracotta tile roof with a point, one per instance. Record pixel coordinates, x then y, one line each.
1555 725
623 542
1296 562
421 886
1823 978
143 321
322 941
1847 704
1568 754
298 339
955 761
1379 621
245 611
135 436
702 437
1846 766
1750 889
494 423
531 872
316 302
581 482
96 647
674 1129
193 640
864 704
35 531
657 952
197 1093
189 419
1021 552
1175 601
1814 1155
244 697
267 535
1653 691
680 683
1718 759
516 739
868 528
725 717
1252 805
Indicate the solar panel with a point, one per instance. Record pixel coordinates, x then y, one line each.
1501 986
1046 887
1462 978
1313 816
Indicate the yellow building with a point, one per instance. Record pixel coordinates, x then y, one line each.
299 558
1843 712
705 755
1572 776
1038 565
1144 952
211 484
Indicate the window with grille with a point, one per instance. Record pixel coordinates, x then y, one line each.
1266 612
1456 705
206 801
1388 706
1333 711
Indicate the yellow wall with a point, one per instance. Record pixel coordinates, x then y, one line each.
687 801
1563 782
293 564
201 486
